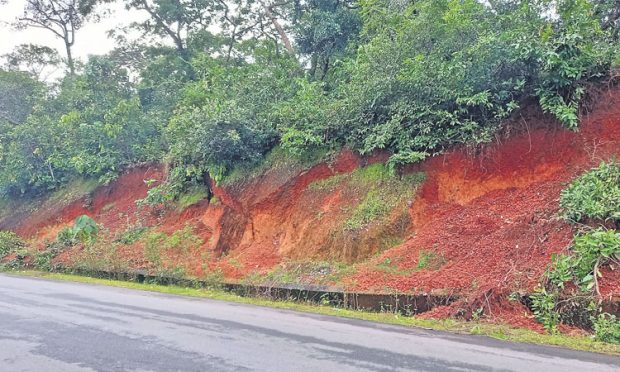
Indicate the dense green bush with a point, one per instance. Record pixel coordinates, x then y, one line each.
438 73
595 195
89 125
607 328
10 242
592 198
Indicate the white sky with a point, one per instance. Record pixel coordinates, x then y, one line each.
90 39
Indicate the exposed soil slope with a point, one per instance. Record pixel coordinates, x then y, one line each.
481 224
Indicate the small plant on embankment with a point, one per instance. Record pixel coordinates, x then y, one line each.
571 292
170 255
84 230
9 243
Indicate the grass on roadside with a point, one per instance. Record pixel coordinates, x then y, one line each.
498 331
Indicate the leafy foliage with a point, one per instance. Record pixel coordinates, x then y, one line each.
595 195
592 196
10 242
93 127
84 230
158 246
214 85
607 328
544 305
591 251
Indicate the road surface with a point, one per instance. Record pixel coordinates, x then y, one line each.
60 326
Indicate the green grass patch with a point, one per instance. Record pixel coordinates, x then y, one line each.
303 272
498 331
277 159
430 260
427 260
378 190
389 266
328 184
373 207
74 190
382 192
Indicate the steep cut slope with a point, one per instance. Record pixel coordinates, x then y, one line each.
476 223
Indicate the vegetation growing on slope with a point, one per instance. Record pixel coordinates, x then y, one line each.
9 243
571 292
307 76
595 195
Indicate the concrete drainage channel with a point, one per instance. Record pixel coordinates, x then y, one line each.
407 305
396 303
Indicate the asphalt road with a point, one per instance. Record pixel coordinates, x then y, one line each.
58 326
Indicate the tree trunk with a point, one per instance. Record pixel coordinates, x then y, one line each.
285 40
70 62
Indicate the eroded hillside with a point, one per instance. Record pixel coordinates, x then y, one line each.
480 224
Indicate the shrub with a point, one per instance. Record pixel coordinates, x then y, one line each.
10 242
594 195
84 230
101 255
43 260
607 328
591 250
66 237
544 305
131 235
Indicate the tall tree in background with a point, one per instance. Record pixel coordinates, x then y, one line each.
63 18
324 30
38 60
174 20
261 19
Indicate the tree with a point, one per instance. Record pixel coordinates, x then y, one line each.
175 20
19 92
608 11
262 19
38 60
63 18
324 30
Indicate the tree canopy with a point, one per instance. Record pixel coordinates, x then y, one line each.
216 84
